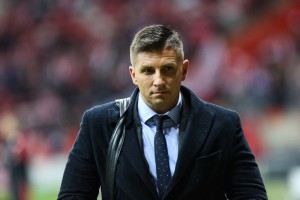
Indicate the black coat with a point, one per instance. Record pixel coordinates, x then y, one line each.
214 160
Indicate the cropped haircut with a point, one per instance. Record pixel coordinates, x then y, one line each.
155 38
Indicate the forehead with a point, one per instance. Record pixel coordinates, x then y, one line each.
156 57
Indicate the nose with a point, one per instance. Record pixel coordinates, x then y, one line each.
158 79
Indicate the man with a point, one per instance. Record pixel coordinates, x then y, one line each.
202 154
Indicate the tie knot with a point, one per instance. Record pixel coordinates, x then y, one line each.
159 119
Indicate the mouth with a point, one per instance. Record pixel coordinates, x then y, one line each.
160 93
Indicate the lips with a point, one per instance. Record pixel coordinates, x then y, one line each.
159 93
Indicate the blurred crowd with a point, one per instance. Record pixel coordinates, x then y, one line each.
58 58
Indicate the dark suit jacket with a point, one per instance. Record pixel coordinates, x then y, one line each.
214 161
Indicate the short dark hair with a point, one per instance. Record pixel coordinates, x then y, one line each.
156 38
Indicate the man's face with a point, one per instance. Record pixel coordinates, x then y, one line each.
158 76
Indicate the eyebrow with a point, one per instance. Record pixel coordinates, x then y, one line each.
146 66
169 64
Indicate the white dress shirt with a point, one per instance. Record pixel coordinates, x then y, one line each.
170 130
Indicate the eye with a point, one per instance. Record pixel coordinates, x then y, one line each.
168 68
147 70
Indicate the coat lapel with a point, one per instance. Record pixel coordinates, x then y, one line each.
132 148
194 134
134 154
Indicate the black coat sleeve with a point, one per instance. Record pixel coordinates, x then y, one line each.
244 179
80 179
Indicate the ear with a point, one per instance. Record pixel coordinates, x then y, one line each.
185 67
132 73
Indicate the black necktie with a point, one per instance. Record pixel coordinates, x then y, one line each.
161 156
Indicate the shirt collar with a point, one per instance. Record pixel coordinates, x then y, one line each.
145 112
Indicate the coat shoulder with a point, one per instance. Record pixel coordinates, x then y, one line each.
219 108
98 109
218 111
222 112
102 111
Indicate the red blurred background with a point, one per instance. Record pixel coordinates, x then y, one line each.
58 58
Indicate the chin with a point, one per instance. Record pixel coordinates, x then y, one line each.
161 107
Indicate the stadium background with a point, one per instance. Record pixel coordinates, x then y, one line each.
58 58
